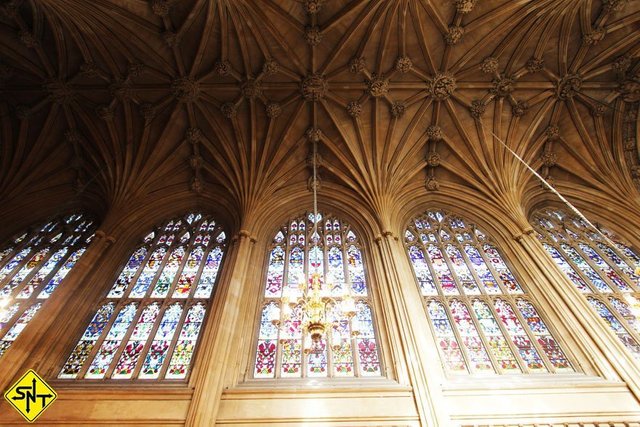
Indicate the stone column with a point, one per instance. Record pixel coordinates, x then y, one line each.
216 355
45 336
411 341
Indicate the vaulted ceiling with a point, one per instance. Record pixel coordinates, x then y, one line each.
123 99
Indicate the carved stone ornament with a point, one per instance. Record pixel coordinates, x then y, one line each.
613 5
148 111
28 39
599 109
313 87
432 184
442 86
354 109
313 134
629 144
357 65
10 8
89 69
195 162
502 86
23 112
228 109
222 68
549 159
535 65
568 86
170 38
378 85
434 133
251 89
196 185
630 90
121 90
135 69
477 108
454 34
403 64
106 112
160 7
519 108
60 91
185 89
489 65
270 67
594 37
313 6
312 35
552 132
193 135
273 110
398 108
433 159
621 64
465 6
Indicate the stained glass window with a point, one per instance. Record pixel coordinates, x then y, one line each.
600 268
483 319
148 325
283 351
33 265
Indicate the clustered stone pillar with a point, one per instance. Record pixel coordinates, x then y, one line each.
415 358
216 353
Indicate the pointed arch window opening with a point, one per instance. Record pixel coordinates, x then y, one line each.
600 266
350 348
482 317
33 265
148 326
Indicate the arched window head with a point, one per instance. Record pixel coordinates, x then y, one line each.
483 319
331 260
600 268
32 266
148 325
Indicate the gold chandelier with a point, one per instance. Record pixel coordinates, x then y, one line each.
313 296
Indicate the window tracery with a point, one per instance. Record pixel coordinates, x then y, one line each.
148 325
33 265
482 317
603 273
284 352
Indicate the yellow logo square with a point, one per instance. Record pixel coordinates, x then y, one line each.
30 395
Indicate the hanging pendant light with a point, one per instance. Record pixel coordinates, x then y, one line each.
314 296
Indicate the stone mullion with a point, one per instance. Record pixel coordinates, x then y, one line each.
445 303
608 354
524 368
472 269
174 283
143 304
33 250
604 298
208 376
414 352
174 340
42 349
614 288
24 282
614 267
466 300
503 288
149 340
527 330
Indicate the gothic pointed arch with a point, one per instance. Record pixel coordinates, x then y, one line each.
600 265
149 323
484 319
284 348
32 266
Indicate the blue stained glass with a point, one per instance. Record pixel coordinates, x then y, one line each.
487 279
622 265
421 269
462 271
604 267
613 323
335 270
356 270
566 268
160 345
296 266
442 271
585 268
504 274
447 341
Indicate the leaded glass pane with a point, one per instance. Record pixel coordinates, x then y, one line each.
160 301
469 292
349 347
